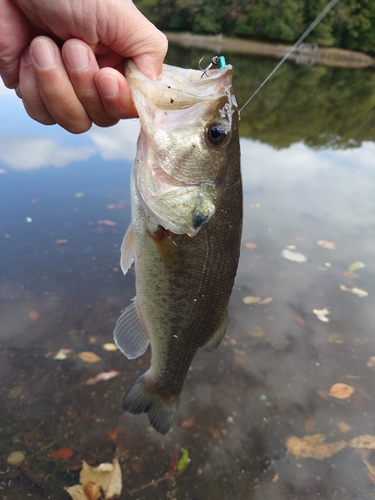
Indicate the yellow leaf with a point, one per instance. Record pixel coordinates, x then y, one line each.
341 391
89 357
344 427
314 438
329 245
302 448
371 362
250 299
365 441
110 347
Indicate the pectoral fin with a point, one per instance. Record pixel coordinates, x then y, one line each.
127 250
218 336
130 335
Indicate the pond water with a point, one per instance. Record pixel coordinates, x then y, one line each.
308 162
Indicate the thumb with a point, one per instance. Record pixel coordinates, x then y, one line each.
134 36
14 37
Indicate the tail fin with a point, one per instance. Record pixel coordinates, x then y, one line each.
144 397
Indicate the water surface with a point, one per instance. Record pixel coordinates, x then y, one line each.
308 170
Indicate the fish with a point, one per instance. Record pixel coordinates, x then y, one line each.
185 231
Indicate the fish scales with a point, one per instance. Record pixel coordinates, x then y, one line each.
185 252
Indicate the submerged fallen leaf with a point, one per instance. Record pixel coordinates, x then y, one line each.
291 247
101 376
302 448
61 242
251 245
371 362
89 357
341 391
78 195
92 491
365 441
310 425
183 461
107 222
113 433
257 332
15 457
62 354
294 256
329 245
250 299
33 315
322 314
356 291
187 423
370 469
335 338
314 438
300 320
347 274
61 453
355 267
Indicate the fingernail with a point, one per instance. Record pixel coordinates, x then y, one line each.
44 53
109 86
26 59
77 57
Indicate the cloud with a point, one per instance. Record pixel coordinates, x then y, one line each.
118 142
23 152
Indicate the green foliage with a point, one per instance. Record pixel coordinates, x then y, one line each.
350 24
319 106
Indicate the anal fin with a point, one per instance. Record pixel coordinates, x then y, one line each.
129 334
214 342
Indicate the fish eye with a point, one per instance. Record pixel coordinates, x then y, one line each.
217 133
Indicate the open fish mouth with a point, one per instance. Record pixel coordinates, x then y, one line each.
186 121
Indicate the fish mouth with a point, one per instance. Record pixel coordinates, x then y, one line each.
178 173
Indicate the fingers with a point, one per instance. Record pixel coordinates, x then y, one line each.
68 88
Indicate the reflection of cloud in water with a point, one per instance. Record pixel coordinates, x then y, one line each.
23 152
116 142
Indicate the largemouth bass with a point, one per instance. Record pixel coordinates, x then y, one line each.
185 233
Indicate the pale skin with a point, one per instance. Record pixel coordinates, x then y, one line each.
65 58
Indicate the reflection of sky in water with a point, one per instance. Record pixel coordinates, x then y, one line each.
293 196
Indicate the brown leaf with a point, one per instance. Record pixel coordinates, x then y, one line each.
300 320
107 222
101 376
302 448
187 423
61 453
89 357
173 462
364 441
251 245
344 428
113 433
33 316
341 391
92 491
329 245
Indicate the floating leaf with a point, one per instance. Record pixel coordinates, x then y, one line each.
294 256
341 391
61 453
266 300
107 477
250 299
61 242
107 222
371 362
344 428
109 347
101 376
251 245
356 291
33 315
79 195
301 448
89 357
365 441
183 461
322 314
329 245
355 267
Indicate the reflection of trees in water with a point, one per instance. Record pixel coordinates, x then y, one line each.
321 106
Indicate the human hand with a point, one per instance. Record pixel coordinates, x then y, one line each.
65 58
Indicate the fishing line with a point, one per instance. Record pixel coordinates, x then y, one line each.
324 12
